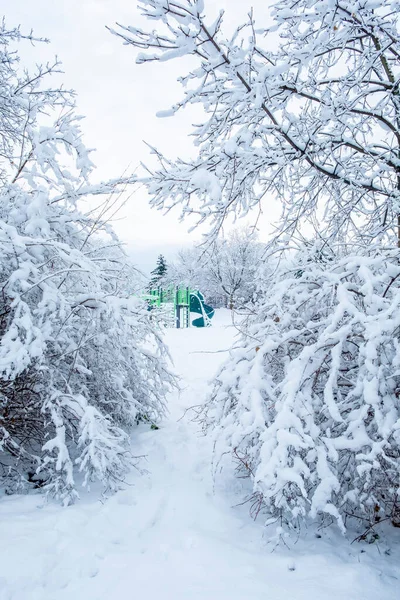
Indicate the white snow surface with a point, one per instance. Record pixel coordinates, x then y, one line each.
176 533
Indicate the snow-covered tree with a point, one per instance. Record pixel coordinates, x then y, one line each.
314 121
191 269
224 270
309 406
79 361
187 269
158 274
233 265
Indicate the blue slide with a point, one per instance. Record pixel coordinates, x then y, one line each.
197 305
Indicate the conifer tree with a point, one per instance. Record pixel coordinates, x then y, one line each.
158 273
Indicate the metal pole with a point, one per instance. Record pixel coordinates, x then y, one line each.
188 307
177 309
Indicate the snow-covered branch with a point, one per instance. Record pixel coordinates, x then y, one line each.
321 108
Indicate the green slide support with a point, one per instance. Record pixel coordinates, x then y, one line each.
197 305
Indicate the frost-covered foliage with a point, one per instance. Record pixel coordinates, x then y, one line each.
79 362
313 120
309 405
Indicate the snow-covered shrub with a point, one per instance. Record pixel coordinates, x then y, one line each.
309 405
79 360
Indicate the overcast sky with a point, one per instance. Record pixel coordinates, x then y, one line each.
120 99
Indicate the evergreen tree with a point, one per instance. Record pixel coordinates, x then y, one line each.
158 273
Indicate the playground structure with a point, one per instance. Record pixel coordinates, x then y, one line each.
179 304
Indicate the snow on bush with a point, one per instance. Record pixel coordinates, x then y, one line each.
310 404
79 360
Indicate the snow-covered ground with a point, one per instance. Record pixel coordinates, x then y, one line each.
174 535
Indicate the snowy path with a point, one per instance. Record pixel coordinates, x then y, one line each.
168 536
